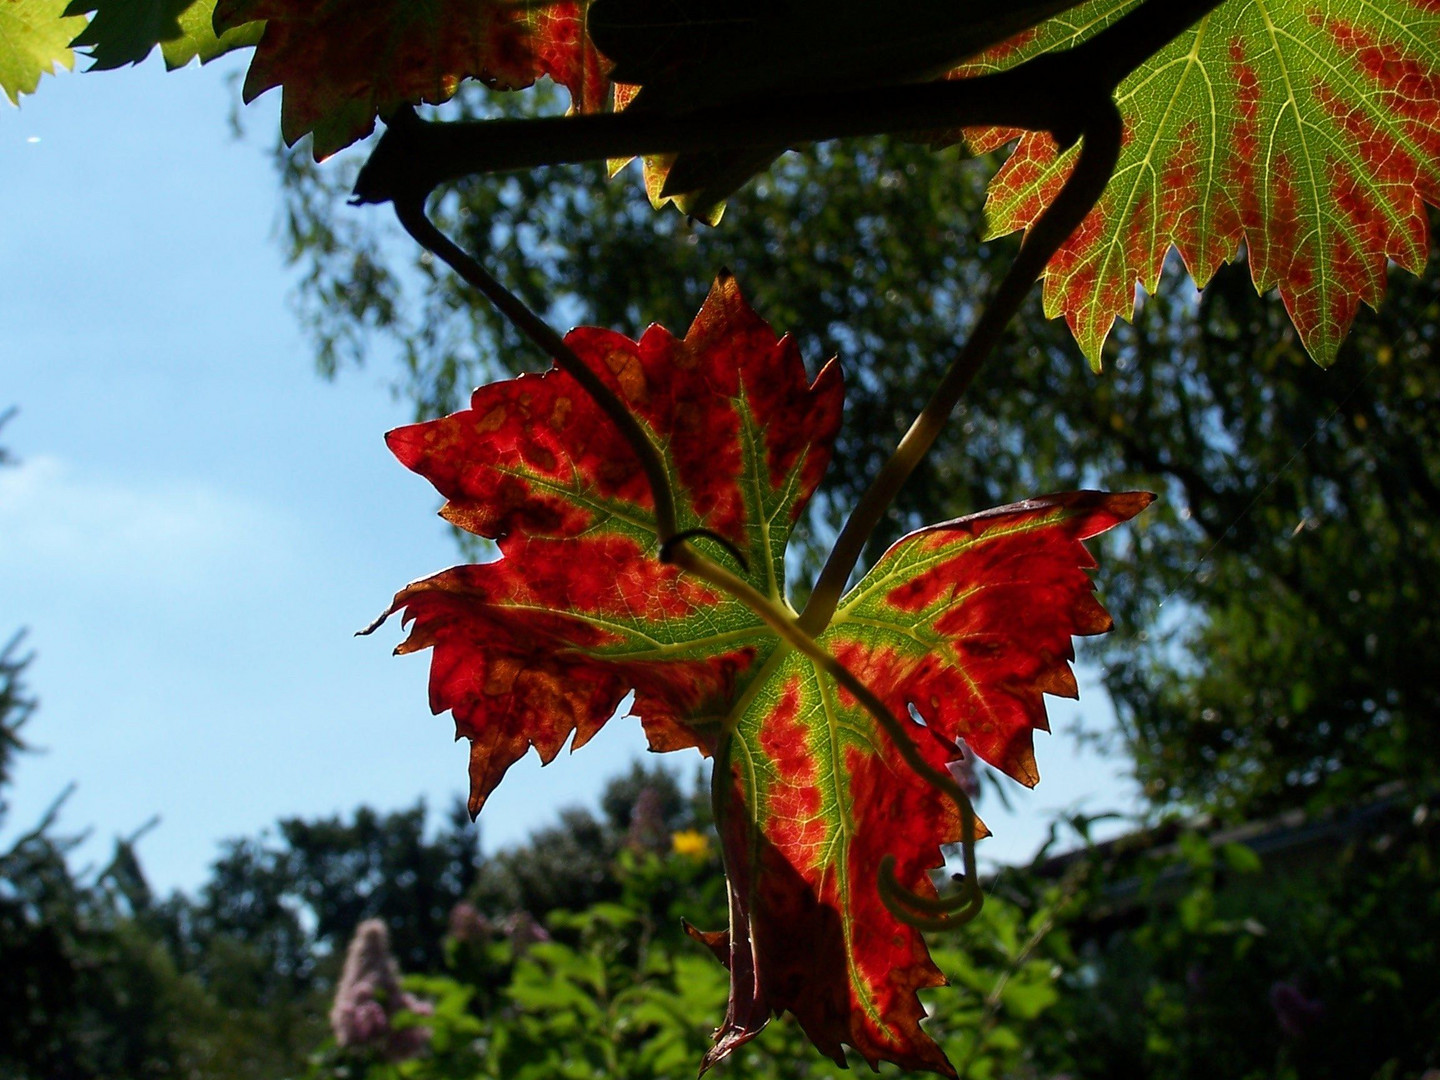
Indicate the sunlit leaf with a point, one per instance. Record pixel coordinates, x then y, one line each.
198 38
127 31
1309 131
578 610
35 39
342 63
969 622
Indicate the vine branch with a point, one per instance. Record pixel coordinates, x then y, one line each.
1049 92
410 209
1099 151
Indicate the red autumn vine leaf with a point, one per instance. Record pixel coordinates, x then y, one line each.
1309 131
970 622
548 639
344 62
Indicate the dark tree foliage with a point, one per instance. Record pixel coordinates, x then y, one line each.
291 901
243 934
1275 637
16 705
1196 961
82 995
1317 498
382 866
571 865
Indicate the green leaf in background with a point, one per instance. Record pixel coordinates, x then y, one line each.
198 37
34 39
127 31
1240 859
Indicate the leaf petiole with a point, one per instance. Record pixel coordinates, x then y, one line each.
667 545
410 209
1099 151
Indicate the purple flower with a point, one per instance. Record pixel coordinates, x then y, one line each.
363 1022
468 924
369 996
409 1042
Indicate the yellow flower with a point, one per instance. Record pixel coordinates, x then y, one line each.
690 843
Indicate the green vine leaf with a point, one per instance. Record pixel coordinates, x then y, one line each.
199 40
35 39
127 31
1309 131
969 622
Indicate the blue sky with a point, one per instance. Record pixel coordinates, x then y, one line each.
200 523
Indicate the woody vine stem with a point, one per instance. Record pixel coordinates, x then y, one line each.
1069 94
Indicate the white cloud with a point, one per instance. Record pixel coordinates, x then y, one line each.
56 520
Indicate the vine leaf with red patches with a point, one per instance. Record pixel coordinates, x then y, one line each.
969 622
1309 131
578 611
344 62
